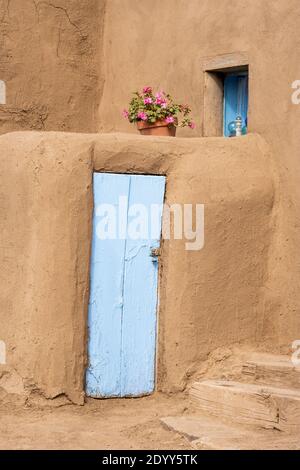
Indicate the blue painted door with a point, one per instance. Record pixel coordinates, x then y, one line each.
123 291
235 100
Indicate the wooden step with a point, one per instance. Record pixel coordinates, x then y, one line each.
270 369
251 404
211 434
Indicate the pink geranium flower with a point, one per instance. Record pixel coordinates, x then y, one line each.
143 116
160 99
149 106
169 119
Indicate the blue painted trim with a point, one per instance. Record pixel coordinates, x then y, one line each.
235 99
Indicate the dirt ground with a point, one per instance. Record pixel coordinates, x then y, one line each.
100 424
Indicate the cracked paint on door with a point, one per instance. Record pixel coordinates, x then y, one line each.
123 291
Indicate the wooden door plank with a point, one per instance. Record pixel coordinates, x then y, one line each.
140 293
106 295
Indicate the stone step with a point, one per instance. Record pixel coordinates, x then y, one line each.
274 370
211 434
251 404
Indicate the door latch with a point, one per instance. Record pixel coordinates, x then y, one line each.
155 253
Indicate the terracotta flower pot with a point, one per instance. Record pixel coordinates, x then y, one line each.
159 128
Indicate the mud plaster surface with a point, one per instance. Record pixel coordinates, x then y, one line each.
50 61
124 424
267 33
208 299
71 66
108 424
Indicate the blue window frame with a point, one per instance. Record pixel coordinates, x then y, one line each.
235 101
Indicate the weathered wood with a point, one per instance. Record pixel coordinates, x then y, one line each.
272 369
224 62
140 293
262 406
106 295
123 297
211 434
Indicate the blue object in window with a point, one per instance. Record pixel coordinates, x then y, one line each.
235 102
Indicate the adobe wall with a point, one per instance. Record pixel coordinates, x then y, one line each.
165 45
50 61
208 298
65 71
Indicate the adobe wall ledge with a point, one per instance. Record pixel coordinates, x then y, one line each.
208 299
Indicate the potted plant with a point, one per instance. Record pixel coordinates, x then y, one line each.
157 113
